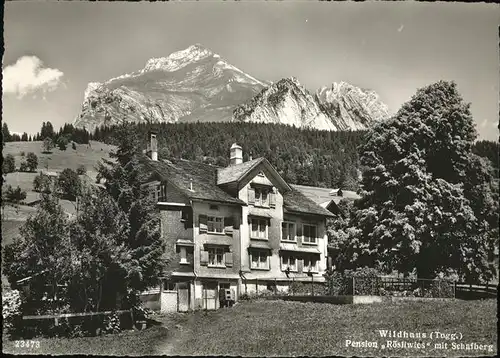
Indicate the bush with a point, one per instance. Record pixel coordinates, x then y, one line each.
73 145
366 282
441 289
14 195
47 145
42 183
32 161
244 297
24 167
111 324
81 170
69 183
338 284
306 288
11 312
62 142
9 164
22 154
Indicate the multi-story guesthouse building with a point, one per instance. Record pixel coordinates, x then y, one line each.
241 227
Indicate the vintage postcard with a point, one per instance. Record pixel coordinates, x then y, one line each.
250 178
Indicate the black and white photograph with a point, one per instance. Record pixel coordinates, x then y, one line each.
250 178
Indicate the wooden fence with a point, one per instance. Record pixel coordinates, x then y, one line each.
57 317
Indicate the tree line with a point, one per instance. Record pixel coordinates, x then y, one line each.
67 133
307 157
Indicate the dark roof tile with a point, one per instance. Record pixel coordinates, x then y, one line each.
296 201
236 172
181 173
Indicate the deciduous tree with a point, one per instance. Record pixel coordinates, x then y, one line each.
428 202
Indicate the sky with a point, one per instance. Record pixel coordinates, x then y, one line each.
54 49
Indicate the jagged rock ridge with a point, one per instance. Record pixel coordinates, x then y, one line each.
341 107
197 85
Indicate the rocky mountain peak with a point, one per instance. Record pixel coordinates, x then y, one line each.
198 85
179 59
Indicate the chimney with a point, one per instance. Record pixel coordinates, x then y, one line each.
153 145
236 154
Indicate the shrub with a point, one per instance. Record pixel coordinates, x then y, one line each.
47 145
306 288
111 323
441 289
366 282
23 167
14 195
81 170
22 154
69 183
32 161
11 312
338 284
42 183
9 164
244 297
73 145
62 142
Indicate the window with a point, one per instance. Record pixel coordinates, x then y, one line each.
309 234
310 264
215 224
215 256
259 228
169 285
288 231
184 215
261 197
183 255
288 261
259 260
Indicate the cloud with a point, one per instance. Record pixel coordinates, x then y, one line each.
28 75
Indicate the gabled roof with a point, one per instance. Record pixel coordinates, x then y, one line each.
181 173
238 173
296 201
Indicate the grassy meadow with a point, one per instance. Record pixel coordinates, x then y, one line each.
279 328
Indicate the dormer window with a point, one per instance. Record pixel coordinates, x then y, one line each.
261 197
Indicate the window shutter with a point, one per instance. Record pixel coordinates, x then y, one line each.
228 224
272 200
251 195
300 265
152 192
229 259
203 257
330 261
203 223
